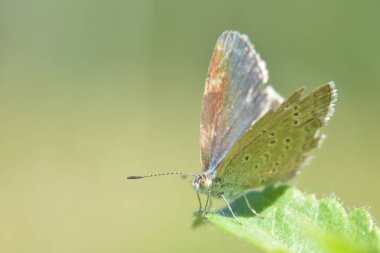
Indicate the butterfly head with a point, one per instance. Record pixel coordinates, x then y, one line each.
203 182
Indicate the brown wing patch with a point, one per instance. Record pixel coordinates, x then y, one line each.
213 102
234 96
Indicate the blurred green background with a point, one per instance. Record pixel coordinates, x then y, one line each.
93 91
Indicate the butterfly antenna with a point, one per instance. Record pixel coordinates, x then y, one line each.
163 174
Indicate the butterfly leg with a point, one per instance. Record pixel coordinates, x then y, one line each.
200 202
209 207
229 207
249 205
205 209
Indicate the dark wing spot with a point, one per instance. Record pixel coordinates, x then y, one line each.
272 142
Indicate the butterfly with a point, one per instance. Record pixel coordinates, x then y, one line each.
250 136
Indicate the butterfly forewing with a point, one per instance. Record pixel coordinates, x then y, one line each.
276 146
234 96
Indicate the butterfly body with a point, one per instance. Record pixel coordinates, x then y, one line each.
250 136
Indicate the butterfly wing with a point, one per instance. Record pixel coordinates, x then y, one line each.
234 96
276 146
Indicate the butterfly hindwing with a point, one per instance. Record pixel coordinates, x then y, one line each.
277 145
234 96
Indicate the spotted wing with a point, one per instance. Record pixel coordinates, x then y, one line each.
234 96
276 146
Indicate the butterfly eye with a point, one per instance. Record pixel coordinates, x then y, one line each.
205 183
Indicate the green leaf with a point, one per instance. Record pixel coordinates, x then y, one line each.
291 221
